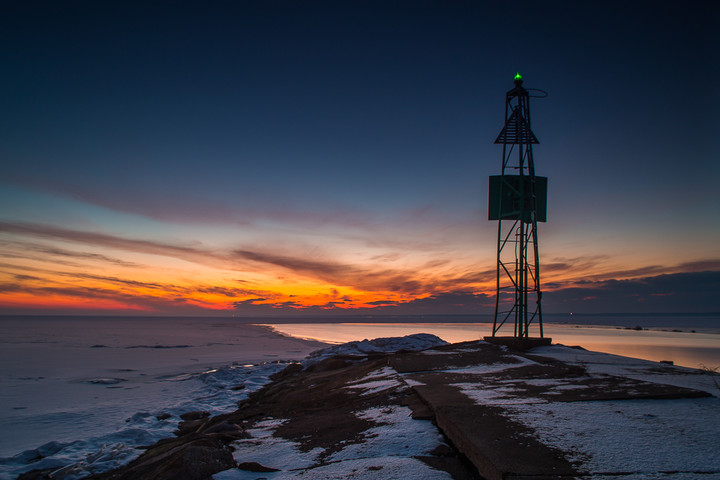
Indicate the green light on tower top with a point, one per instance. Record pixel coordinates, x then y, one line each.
518 77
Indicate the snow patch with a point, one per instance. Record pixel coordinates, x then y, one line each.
377 381
645 437
491 368
483 394
379 373
412 383
397 435
635 368
270 451
387 452
409 343
376 386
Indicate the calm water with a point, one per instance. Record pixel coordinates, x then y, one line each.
698 349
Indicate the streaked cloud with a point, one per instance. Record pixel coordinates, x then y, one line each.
36 251
36 266
667 293
363 279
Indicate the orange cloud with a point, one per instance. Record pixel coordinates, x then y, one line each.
44 266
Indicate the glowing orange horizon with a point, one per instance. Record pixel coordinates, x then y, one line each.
161 290
109 273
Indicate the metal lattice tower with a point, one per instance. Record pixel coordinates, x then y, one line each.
518 201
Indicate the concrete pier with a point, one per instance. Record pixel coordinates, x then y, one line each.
476 390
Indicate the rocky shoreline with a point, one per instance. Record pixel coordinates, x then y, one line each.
318 403
449 412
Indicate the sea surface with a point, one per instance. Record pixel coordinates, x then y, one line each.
694 347
86 391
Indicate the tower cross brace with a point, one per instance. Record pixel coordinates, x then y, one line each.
518 201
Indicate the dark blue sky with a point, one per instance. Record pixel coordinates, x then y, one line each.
347 131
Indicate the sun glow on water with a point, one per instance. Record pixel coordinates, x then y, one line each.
688 349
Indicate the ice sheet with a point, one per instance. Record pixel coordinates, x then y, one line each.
75 388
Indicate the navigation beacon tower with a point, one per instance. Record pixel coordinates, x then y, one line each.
518 201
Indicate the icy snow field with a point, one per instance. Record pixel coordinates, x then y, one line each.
644 439
647 437
86 390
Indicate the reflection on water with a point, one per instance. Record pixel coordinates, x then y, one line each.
688 349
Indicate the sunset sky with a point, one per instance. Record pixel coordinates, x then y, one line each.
305 157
